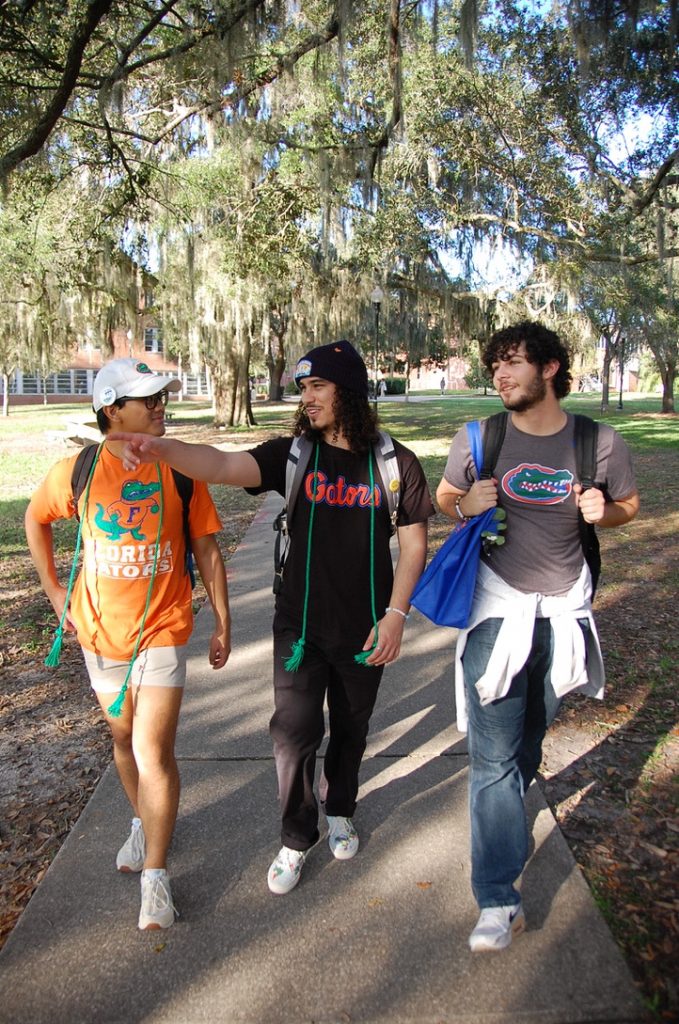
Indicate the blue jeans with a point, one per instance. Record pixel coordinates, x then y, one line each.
505 751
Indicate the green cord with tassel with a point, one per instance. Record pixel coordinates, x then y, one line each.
362 657
115 709
54 656
292 663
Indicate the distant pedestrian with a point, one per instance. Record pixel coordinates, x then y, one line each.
443 386
131 607
531 638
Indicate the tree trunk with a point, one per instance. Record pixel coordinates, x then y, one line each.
277 329
229 366
5 394
275 363
239 366
667 376
219 376
241 407
667 367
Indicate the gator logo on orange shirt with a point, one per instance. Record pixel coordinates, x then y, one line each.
127 513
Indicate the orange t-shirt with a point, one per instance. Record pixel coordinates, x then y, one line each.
119 539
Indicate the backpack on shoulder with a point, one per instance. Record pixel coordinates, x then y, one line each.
297 462
445 590
82 467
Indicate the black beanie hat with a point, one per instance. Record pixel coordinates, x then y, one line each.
339 363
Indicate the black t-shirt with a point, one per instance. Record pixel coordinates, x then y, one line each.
339 603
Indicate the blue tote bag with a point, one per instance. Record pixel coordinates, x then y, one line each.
445 590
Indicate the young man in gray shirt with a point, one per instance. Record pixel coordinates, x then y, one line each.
531 637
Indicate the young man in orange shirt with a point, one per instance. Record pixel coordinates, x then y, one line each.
131 607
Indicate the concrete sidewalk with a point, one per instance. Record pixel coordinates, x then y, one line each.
381 939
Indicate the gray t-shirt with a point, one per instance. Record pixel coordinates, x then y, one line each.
535 475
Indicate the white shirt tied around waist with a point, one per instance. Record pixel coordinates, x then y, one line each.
577 662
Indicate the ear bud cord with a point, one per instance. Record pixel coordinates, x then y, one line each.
363 655
54 656
116 708
297 655
295 660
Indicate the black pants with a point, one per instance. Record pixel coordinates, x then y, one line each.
298 727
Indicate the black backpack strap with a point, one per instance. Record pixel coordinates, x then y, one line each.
496 427
280 525
184 485
295 467
82 467
387 464
586 443
586 437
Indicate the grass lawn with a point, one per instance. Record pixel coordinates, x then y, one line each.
616 802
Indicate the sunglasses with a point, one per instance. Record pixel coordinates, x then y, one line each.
151 401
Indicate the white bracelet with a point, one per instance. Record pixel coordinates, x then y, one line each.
458 509
398 612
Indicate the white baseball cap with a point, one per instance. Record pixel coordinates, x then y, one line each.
129 378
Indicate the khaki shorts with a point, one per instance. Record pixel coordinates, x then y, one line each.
155 666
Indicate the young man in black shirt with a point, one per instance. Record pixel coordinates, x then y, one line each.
342 608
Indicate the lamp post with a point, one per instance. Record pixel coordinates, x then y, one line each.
621 369
376 297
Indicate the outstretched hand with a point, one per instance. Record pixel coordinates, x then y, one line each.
138 448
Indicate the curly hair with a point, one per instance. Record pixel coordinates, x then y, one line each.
354 417
542 345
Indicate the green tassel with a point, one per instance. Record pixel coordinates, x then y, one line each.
116 708
296 658
362 656
52 659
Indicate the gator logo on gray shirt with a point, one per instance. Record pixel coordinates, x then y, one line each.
536 484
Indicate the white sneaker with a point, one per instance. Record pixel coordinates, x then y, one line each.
157 908
495 928
285 871
133 851
342 837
